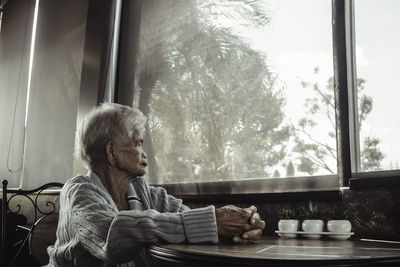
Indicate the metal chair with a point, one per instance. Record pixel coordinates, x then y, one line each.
32 196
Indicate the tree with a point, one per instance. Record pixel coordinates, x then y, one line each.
371 156
316 154
214 109
290 169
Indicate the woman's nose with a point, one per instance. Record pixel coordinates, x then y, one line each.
144 155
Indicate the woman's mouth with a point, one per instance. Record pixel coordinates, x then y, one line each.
144 164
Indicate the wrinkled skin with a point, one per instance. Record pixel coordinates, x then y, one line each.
239 225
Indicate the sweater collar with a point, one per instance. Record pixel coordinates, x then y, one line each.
134 200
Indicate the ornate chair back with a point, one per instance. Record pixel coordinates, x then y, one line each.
38 235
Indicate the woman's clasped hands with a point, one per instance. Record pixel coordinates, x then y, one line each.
240 225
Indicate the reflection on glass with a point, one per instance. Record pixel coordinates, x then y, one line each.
236 89
377 55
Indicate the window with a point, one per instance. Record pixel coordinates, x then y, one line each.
237 90
244 90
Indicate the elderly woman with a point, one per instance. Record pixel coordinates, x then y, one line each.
109 215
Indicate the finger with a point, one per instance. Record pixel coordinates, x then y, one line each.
243 227
248 212
236 239
252 209
255 218
261 224
252 235
233 230
256 221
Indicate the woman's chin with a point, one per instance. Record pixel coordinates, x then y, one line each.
141 173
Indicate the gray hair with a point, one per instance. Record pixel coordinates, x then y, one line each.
104 123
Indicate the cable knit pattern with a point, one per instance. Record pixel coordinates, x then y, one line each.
92 232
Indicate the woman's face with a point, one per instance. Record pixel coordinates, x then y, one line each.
130 158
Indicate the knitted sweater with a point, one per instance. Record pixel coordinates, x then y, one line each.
92 232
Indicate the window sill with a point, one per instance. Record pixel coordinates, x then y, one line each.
294 188
374 180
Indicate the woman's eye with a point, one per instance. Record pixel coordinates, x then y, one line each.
139 143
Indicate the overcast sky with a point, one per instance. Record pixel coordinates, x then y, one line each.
378 58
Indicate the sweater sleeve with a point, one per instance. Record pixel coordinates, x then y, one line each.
196 221
114 236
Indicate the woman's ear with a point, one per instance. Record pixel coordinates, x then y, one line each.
110 155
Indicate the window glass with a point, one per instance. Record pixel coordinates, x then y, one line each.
377 36
236 89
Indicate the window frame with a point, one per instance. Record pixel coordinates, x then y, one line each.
357 179
347 139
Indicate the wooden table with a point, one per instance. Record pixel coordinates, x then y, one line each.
274 251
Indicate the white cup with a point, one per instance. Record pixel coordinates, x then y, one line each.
288 228
340 226
288 225
312 226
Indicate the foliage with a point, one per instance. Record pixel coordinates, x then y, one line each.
291 213
338 212
311 211
316 154
276 174
371 156
290 169
207 123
